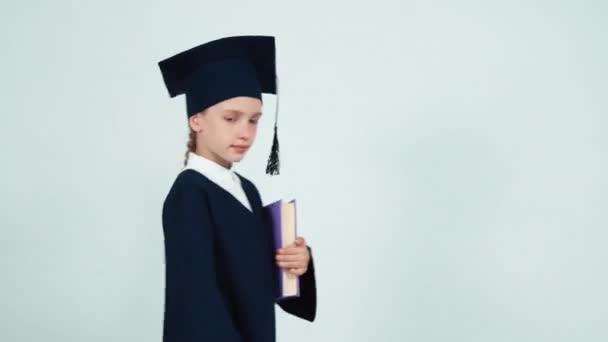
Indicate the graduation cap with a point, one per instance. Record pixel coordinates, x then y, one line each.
222 69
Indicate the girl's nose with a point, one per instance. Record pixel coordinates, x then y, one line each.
246 132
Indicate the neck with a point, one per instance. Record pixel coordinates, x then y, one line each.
213 157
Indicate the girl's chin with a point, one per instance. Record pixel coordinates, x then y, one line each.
234 157
237 158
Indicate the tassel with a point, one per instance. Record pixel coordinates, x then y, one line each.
273 161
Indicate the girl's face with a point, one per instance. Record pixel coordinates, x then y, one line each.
226 130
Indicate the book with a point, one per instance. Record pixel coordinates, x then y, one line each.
281 215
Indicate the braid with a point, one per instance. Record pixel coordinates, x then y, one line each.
191 145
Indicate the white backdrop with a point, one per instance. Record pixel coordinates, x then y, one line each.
449 161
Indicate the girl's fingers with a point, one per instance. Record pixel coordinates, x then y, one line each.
296 271
290 257
291 264
298 244
292 250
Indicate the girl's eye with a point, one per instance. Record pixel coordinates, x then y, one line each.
253 121
228 119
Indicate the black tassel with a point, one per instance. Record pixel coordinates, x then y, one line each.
273 161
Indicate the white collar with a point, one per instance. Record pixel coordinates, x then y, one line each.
222 176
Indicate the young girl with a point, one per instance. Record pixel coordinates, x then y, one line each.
220 276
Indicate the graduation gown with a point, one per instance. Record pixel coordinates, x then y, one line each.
220 276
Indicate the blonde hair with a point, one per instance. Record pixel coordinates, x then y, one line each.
190 145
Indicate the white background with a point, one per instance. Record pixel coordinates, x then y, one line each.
449 160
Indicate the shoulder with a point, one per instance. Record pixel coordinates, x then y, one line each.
187 203
189 177
188 183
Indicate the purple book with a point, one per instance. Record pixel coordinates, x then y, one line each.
281 215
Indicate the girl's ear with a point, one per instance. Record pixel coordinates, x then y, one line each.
196 122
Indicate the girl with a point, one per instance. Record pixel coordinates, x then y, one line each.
220 276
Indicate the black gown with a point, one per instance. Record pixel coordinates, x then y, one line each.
220 279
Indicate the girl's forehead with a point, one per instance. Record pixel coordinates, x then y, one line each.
242 105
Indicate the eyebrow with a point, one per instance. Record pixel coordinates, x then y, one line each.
240 112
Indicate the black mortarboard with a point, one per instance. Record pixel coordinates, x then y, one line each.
222 69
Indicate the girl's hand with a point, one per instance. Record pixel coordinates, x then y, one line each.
294 258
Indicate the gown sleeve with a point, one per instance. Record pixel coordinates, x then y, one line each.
304 306
199 313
